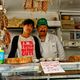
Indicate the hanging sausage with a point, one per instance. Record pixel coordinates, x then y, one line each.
28 4
3 20
39 7
4 34
36 5
44 5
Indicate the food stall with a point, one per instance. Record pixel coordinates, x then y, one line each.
61 20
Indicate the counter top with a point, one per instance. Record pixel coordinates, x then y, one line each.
36 66
33 71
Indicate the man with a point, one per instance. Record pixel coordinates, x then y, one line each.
52 48
25 44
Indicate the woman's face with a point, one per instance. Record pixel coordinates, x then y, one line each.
27 29
42 30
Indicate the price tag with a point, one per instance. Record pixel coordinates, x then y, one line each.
51 67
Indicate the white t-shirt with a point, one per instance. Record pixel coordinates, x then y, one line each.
26 47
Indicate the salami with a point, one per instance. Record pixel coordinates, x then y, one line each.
39 7
28 4
44 5
3 19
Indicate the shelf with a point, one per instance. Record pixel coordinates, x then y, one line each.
50 24
68 30
69 12
54 23
71 47
75 76
14 28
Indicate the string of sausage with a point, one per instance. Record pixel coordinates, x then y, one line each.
40 5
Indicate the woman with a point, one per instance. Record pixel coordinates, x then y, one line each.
25 45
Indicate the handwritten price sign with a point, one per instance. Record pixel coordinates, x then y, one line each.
51 67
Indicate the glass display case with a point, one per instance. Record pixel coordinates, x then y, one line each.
70 29
34 71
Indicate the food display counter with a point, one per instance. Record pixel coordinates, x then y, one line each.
34 71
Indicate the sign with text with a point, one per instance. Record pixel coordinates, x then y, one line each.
51 67
27 48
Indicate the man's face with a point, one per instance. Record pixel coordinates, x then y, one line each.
42 30
27 29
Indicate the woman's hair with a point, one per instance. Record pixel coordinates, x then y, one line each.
28 21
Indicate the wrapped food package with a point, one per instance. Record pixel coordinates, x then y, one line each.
18 60
77 25
65 17
28 4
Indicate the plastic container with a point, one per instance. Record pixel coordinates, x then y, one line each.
1 56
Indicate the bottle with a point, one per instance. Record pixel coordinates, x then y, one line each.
1 56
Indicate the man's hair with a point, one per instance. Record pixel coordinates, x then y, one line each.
28 21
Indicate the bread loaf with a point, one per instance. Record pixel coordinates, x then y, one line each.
75 58
18 60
